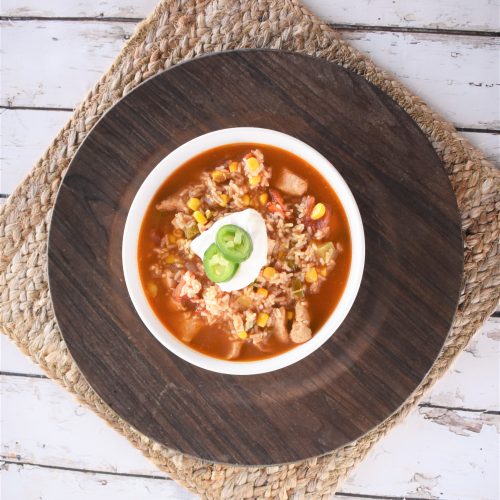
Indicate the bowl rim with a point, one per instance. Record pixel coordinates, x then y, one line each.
148 189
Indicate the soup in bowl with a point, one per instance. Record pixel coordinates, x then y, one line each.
243 251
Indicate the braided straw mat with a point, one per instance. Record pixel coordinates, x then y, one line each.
175 32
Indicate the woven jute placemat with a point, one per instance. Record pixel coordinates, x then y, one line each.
175 32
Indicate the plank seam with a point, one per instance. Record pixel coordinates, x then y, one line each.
40 108
26 375
493 131
409 29
453 408
74 19
376 497
8 460
337 26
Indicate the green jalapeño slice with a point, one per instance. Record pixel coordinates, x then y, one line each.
234 242
217 267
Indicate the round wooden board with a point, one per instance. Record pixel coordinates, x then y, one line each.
391 337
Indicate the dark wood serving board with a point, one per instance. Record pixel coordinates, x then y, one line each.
396 327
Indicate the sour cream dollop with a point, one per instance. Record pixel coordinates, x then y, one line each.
252 222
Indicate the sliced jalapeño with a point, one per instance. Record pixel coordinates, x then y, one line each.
217 267
234 243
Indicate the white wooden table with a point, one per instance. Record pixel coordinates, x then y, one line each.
52 52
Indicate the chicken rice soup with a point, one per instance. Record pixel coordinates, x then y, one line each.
244 252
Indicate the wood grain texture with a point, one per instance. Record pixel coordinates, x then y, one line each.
387 343
385 346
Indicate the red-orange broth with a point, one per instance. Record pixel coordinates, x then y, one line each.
214 339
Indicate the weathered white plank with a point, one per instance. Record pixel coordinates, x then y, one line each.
434 453
78 8
24 136
62 60
489 144
32 482
445 14
480 15
458 76
42 423
473 381
12 360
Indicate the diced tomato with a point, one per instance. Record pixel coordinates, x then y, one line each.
275 208
277 205
310 202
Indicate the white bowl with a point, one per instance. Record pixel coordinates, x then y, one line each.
146 193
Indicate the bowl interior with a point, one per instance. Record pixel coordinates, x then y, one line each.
147 191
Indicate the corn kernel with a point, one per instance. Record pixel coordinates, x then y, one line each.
224 200
268 272
289 315
262 319
322 271
263 292
152 289
208 214
242 335
218 176
199 217
233 166
194 203
246 200
254 181
172 238
318 211
263 198
252 164
170 259
311 275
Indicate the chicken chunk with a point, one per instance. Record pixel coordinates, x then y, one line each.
235 349
173 203
301 331
189 327
177 202
302 312
290 183
278 318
